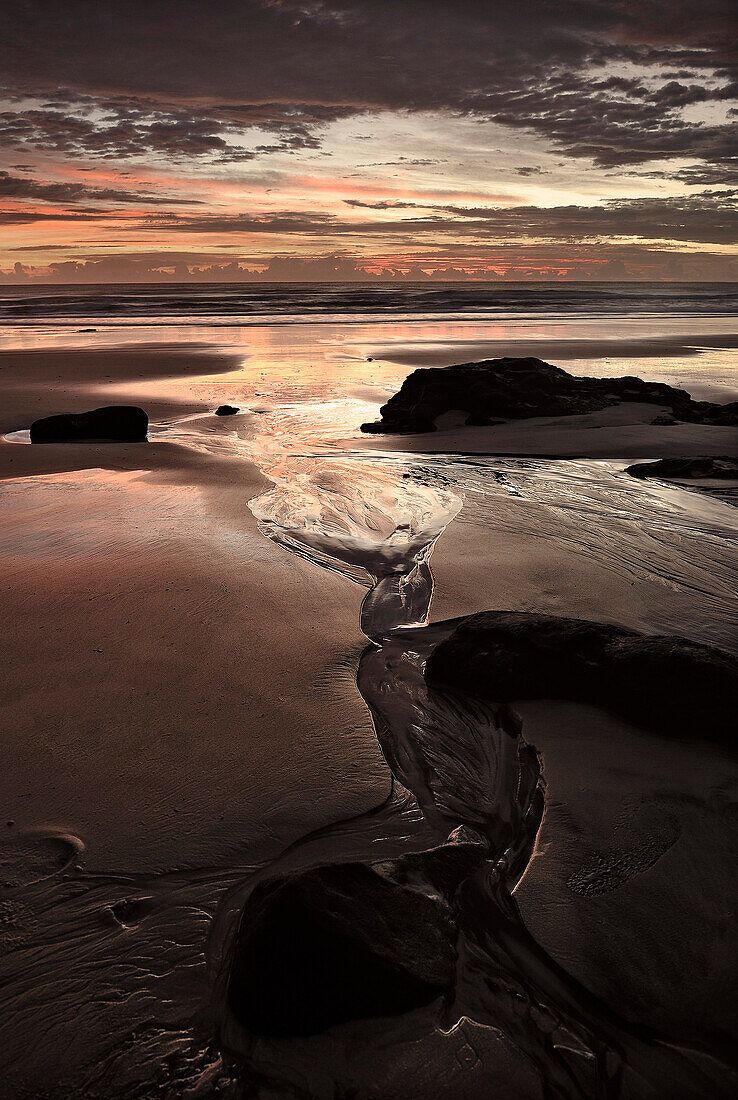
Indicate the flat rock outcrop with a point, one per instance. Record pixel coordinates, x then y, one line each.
662 683
516 388
113 424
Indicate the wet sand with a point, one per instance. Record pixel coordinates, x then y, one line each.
45 381
183 703
153 723
560 349
579 539
137 586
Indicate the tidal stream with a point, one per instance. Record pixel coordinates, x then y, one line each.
468 795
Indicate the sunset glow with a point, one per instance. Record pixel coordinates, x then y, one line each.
408 142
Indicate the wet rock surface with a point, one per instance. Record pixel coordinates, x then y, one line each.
516 388
723 468
666 684
345 942
112 423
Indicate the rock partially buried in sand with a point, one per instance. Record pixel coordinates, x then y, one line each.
347 942
111 424
516 388
685 468
670 685
226 410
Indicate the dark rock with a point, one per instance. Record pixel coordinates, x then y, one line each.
518 388
114 423
226 410
718 468
352 941
670 685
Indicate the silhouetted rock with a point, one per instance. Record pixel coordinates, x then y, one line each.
719 468
226 410
113 423
348 942
518 388
666 684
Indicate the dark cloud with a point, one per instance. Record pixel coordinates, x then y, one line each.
387 204
281 222
405 162
135 128
13 216
722 171
185 78
22 188
120 135
613 122
709 217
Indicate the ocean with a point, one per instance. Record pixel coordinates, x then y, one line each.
253 303
311 343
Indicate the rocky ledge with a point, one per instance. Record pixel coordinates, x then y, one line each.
111 424
512 389
666 684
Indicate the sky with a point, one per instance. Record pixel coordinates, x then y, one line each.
143 140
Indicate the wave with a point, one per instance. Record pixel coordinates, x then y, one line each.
250 303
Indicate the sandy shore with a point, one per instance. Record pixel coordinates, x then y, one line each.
153 721
146 712
181 703
579 539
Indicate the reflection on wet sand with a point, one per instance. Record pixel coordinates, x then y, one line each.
268 731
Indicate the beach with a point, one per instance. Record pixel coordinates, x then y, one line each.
185 622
